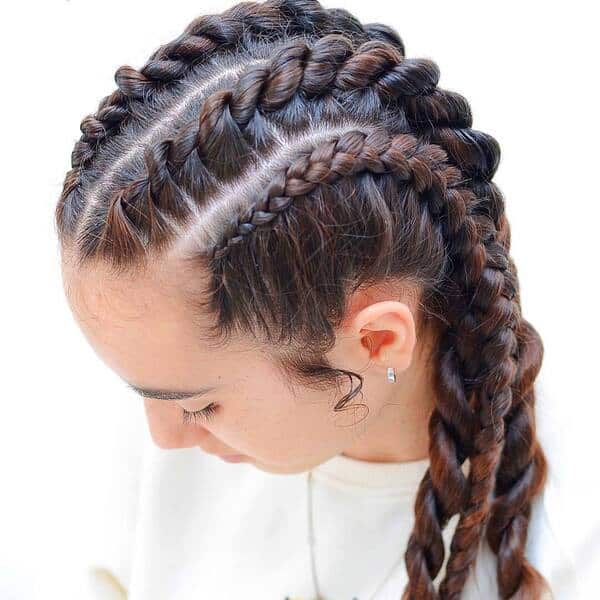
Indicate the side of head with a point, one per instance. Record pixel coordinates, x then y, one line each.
280 203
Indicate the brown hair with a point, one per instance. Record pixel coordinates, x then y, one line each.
297 155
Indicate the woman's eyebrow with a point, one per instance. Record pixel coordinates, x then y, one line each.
169 395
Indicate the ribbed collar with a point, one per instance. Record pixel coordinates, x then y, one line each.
386 477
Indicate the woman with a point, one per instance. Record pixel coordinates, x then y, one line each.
285 237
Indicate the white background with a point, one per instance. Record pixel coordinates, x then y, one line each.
529 71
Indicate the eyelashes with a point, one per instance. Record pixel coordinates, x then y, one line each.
206 414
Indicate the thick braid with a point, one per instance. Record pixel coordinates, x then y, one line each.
489 317
477 275
445 118
204 36
456 380
450 438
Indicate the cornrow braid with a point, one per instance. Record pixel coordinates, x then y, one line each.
201 39
316 130
346 156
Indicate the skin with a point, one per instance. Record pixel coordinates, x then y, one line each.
143 329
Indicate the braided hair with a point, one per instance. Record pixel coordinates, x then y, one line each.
297 155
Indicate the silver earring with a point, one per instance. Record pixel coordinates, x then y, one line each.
391 375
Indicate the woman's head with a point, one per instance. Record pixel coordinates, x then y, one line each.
280 201
147 328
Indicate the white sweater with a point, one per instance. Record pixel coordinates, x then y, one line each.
208 529
184 525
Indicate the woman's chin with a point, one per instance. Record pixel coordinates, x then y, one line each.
278 469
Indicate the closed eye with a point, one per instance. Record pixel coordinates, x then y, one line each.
206 414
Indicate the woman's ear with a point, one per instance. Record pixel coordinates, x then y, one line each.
387 332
